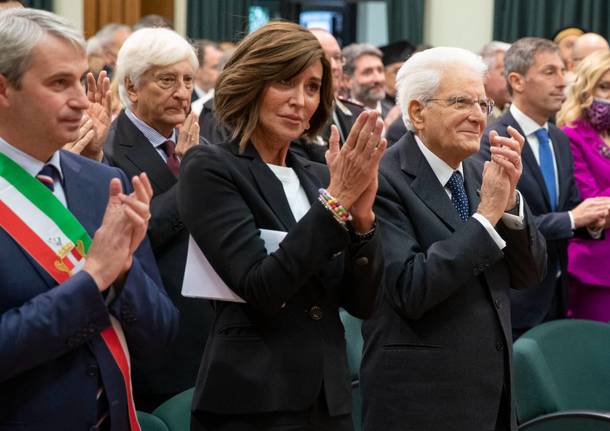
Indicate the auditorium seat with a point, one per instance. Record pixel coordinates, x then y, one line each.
149 422
176 412
561 372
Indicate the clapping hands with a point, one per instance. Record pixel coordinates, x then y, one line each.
354 168
123 228
96 120
501 175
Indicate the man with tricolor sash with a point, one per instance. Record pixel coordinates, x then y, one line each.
79 288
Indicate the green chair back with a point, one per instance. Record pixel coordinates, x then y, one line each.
562 365
354 341
149 422
176 412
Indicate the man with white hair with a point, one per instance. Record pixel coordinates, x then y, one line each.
79 289
155 70
437 350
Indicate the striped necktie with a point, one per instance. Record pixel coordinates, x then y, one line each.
47 176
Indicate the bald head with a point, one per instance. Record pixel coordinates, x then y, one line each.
587 44
10 4
331 48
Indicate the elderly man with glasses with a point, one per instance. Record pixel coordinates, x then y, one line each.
156 69
457 237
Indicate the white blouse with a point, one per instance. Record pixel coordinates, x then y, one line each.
295 194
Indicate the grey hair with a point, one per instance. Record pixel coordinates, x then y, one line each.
147 48
21 30
520 57
490 51
94 46
420 76
106 33
356 50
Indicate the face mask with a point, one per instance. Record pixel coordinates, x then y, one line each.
599 114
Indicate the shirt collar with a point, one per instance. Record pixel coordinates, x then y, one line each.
31 165
528 125
441 169
154 137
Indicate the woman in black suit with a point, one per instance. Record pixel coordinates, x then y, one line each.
278 361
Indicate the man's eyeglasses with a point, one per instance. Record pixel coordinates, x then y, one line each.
464 103
168 82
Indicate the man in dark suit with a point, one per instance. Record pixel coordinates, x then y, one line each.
144 138
438 349
344 112
365 76
534 71
68 311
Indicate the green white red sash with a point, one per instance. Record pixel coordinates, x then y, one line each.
32 215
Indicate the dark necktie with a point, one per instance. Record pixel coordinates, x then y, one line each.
173 162
547 165
47 176
458 195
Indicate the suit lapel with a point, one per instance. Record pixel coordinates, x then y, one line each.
82 203
143 155
270 188
426 185
529 160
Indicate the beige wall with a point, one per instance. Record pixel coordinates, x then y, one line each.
180 16
461 23
74 11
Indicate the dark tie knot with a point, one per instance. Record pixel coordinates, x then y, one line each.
169 147
456 182
543 136
173 162
47 176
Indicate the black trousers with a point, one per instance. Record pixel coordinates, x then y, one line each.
315 418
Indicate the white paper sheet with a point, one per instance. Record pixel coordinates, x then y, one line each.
202 281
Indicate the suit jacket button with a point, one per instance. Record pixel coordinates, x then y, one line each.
315 313
92 370
362 261
499 346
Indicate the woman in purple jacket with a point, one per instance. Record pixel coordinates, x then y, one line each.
585 118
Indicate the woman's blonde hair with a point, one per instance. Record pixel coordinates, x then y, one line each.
580 95
275 52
